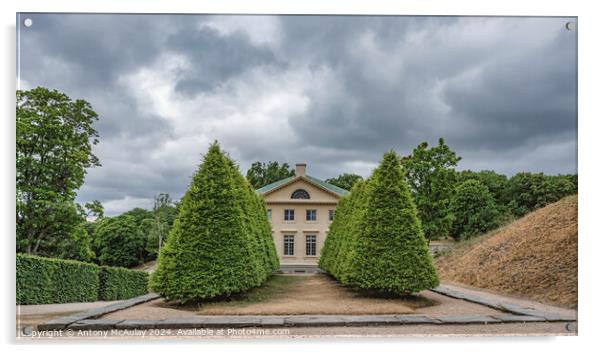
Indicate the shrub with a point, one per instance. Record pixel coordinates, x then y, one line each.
118 241
43 280
121 283
46 281
221 240
473 209
378 241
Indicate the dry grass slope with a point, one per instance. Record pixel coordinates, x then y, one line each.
533 257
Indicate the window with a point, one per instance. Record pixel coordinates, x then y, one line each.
310 245
269 215
330 215
300 194
289 215
310 215
289 245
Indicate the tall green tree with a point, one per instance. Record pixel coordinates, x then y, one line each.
473 209
78 246
495 183
345 181
119 241
261 174
220 241
139 214
94 209
431 177
164 213
54 139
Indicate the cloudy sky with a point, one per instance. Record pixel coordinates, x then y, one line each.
332 91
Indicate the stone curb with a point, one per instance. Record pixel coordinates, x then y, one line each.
87 320
520 312
297 321
62 322
467 319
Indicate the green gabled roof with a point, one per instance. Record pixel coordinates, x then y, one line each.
333 188
269 187
337 190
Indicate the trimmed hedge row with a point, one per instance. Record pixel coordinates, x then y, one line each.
221 241
116 283
42 280
376 241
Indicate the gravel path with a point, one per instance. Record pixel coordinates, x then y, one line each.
318 294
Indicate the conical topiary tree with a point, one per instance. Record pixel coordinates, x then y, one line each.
348 244
392 254
217 245
378 241
328 254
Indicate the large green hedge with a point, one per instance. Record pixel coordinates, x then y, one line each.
376 240
43 280
121 283
221 240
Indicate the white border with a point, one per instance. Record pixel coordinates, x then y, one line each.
589 27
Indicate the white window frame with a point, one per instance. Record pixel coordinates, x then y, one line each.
311 243
290 212
288 243
309 212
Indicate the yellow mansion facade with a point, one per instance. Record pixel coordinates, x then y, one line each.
300 209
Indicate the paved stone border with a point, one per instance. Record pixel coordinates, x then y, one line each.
84 316
517 310
295 321
510 313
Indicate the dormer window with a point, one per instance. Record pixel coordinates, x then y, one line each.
300 194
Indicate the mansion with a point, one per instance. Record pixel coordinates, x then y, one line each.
300 209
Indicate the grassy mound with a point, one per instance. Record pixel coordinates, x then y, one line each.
533 257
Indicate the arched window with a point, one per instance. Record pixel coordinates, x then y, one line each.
300 194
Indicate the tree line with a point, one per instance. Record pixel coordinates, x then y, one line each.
452 203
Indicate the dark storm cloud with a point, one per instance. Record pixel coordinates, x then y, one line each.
522 90
332 91
216 58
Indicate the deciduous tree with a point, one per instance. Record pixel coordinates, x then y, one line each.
431 177
261 174
473 209
54 139
119 241
345 181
